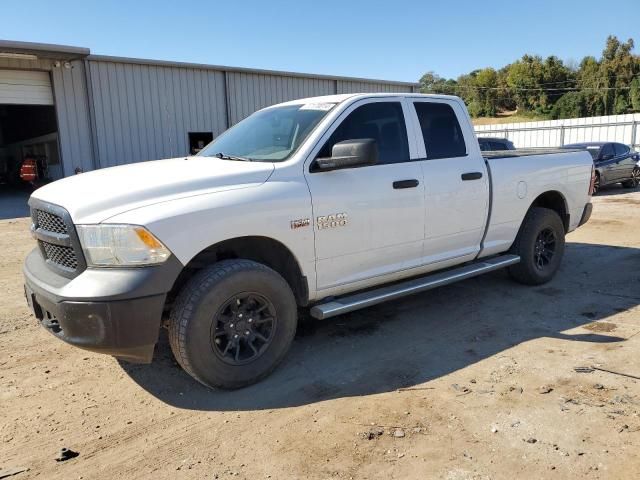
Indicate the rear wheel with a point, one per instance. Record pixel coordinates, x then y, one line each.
232 323
540 245
634 181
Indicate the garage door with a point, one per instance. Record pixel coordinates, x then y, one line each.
24 87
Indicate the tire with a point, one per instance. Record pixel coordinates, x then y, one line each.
225 305
634 181
539 262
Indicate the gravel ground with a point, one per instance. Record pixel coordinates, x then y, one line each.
472 381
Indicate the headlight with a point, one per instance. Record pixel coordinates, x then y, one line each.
120 245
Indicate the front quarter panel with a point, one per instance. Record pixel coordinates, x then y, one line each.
188 226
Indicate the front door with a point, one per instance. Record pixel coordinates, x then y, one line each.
368 221
607 164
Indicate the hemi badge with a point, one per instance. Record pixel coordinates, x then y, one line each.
301 222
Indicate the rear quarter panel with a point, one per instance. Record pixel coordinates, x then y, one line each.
518 181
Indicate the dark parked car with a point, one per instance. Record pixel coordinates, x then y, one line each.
614 162
489 143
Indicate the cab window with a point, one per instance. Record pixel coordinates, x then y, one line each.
381 121
606 150
620 149
440 130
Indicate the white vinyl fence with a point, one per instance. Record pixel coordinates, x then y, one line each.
556 133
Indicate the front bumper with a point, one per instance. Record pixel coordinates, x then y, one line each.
115 311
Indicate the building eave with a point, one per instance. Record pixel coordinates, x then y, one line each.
43 50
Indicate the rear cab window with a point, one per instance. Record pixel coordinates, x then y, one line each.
441 130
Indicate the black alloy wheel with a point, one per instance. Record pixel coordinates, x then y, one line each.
243 328
544 248
596 184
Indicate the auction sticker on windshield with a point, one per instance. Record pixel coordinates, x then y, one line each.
318 106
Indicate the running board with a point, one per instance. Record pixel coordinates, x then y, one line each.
357 301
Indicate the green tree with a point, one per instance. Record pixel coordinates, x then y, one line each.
570 105
621 105
523 78
611 80
634 94
433 83
486 84
536 84
610 84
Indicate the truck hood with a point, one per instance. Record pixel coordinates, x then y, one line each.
96 196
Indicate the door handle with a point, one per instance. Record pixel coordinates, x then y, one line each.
471 176
398 184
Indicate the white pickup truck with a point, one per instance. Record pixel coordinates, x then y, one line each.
332 203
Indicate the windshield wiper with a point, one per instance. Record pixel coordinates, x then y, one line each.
224 156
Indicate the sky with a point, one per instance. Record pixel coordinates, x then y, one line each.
372 39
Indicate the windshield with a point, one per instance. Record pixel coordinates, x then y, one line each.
268 135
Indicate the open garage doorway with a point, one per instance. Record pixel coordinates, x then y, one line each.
28 126
28 129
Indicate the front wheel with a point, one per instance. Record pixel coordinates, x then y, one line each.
232 323
634 181
540 245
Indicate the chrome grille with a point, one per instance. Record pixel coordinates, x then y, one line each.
50 222
63 256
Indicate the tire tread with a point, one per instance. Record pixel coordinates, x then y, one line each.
523 272
187 301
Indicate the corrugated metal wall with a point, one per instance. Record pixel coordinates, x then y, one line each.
555 133
249 92
144 110
72 107
74 128
348 86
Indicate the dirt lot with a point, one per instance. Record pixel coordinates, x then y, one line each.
471 381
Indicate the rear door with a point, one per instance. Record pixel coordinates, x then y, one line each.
456 180
369 221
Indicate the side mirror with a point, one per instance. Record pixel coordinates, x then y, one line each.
350 153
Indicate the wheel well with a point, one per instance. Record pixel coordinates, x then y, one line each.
554 200
263 250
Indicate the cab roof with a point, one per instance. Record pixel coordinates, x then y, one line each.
353 96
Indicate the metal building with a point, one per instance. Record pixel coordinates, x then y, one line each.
78 112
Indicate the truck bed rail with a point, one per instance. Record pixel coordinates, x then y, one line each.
525 152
